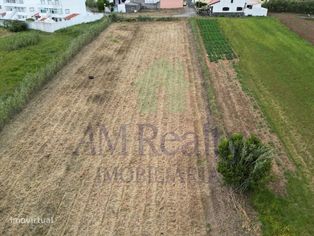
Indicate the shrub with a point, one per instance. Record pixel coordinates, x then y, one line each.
101 5
91 3
20 41
306 7
244 163
15 26
200 4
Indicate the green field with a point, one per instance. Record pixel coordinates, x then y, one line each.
28 59
276 67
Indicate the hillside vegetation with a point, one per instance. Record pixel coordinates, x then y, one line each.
276 67
28 59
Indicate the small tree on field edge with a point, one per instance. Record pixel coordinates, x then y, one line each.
244 163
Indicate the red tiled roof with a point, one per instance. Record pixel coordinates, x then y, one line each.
213 2
3 14
69 17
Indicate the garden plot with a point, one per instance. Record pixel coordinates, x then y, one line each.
59 157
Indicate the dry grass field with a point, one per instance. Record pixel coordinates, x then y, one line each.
57 161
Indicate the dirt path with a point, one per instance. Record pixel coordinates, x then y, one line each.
60 158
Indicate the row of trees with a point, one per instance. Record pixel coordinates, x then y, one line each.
305 7
98 4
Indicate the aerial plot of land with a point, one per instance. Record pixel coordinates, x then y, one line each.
159 123
60 158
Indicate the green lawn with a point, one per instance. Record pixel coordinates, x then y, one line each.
277 67
35 58
14 65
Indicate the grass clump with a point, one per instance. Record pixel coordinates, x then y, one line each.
19 41
244 163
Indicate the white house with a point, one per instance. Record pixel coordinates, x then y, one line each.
57 10
236 7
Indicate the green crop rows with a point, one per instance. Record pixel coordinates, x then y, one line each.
216 45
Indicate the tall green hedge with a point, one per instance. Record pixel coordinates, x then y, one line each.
305 7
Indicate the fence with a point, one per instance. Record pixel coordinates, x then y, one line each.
52 27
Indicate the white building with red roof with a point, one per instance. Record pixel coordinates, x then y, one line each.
236 7
57 10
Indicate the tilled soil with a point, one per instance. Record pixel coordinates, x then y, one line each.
59 158
298 23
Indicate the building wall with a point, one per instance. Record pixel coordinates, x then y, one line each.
53 8
171 4
231 4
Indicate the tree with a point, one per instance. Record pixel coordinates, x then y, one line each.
244 163
101 5
91 4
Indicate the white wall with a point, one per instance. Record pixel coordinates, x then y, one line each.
233 5
257 10
55 8
52 27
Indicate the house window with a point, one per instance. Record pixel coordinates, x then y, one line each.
231 1
249 6
239 8
31 9
67 11
225 8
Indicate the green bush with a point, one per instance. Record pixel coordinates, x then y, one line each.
20 41
244 163
15 26
200 4
101 5
91 3
305 7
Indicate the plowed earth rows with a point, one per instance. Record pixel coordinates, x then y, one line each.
55 159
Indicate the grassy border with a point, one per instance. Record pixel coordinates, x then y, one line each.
32 83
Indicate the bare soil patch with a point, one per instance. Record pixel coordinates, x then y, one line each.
4 32
55 159
297 23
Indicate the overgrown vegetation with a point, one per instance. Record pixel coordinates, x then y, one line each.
200 4
26 69
15 26
18 41
276 67
216 45
295 6
244 163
